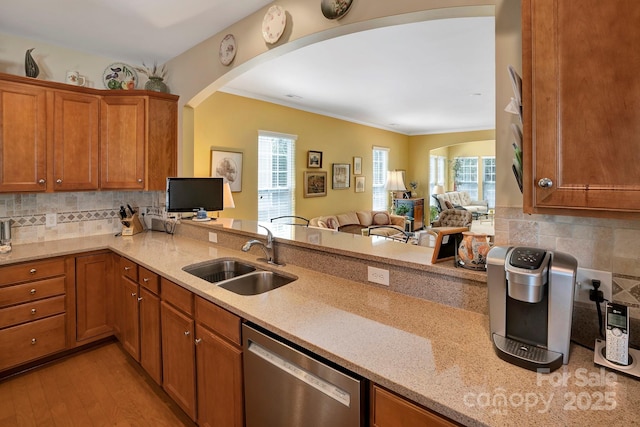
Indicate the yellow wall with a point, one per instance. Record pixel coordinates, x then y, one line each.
230 121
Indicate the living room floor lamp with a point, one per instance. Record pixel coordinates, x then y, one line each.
394 183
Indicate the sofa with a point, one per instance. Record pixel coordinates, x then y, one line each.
461 200
355 221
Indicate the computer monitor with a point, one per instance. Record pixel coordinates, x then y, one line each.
192 194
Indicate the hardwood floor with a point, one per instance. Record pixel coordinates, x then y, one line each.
99 387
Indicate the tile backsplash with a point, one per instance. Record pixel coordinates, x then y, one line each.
78 214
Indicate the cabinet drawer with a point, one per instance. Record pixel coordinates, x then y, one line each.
31 291
219 320
128 269
31 271
31 341
389 410
149 280
27 312
177 296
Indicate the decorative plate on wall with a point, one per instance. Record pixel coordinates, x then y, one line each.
120 76
335 9
227 49
273 24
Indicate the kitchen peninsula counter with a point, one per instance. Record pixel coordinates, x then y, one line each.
433 354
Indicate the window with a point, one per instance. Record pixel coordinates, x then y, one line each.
276 175
466 178
489 180
437 173
380 167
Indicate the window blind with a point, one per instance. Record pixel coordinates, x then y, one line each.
276 175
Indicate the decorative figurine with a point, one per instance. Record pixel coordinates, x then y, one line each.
30 67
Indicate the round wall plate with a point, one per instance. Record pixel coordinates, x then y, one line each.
335 9
227 49
273 24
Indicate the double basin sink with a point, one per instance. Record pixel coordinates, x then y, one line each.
238 276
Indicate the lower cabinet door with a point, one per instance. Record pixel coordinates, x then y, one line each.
219 367
130 325
178 358
150 344
93 297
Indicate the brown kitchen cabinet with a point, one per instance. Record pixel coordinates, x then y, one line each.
391 410
581 107
178 346
219 366
138 141
94 297
33 310
49 139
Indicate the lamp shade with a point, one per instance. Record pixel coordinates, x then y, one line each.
395 181
438 189
227 196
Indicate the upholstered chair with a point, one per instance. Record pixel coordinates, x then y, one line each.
453 218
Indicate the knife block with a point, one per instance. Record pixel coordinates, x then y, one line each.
131 225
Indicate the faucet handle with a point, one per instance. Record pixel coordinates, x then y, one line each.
269 235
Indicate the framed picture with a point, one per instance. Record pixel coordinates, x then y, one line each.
227 164
341 176
359 184
357 165
314 159
315 184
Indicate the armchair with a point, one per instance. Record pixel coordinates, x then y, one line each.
453 218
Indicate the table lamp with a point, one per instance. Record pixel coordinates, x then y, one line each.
394 183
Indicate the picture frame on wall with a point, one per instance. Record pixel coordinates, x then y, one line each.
227 164
314 159
341 176
315 184
357 165
359 184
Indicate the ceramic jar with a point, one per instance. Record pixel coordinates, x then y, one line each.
472 252
156 84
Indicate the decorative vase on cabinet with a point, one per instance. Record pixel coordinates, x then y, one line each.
156 84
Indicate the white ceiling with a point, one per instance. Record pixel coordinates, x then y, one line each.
429 77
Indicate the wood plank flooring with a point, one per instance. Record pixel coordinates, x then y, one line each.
99 387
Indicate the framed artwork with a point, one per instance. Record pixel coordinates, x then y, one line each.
341 176
227 164
315 184
357 165
314 159
359 184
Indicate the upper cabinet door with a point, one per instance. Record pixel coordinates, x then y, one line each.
581 105
122 142
23 133
76 141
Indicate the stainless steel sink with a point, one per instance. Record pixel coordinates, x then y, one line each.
217 270
256 283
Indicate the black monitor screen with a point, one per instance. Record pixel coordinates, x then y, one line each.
189 194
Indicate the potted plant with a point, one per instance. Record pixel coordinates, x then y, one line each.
402 210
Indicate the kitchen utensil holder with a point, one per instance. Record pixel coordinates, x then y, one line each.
131 225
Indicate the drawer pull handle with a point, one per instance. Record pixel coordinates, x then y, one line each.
33 311
32 271
32 291
145 280
198 340
140 180
33 341
127 268
139 299
187 333
58 181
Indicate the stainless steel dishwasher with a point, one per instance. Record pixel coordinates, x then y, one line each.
285 387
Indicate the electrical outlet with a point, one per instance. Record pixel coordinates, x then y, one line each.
378 275
51 220
583 284
213 237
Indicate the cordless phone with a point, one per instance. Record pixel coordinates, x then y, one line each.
617 321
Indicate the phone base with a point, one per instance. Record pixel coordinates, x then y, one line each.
633 368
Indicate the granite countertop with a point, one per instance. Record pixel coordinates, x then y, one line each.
436 355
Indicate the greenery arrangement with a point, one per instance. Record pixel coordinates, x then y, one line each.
402 210
154 71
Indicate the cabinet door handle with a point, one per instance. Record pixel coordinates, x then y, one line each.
545 183
33 311
140 180
139 299
58 181
42 181
32 271
33 341
133 294
127 268
145 279
187 333
32 291
198 341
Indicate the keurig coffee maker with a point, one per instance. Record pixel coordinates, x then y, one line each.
531 305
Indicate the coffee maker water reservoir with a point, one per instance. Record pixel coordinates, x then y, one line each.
531 305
